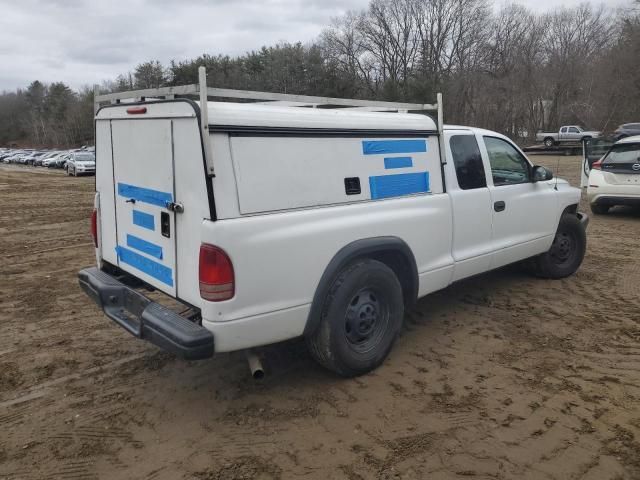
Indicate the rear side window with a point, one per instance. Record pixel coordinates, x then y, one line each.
468 162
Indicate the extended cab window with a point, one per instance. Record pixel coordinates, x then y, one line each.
468 162
508 165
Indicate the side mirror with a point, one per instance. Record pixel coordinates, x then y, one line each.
541 174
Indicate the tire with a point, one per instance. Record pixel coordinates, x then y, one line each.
367 291
585 139
549 142
600 209
567 251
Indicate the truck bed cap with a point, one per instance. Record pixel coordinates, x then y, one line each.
264 115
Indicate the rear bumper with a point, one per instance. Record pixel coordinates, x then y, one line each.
146 319
612 200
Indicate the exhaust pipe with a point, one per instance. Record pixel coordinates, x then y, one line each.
255 365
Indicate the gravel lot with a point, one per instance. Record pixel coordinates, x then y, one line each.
500 376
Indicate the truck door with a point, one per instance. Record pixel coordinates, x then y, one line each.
143 179
524 220
471 202
562 136
573 134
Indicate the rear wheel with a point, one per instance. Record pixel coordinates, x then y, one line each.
600 209
548 142
566 252
360 319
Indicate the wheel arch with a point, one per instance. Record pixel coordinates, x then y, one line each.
573 208
392 251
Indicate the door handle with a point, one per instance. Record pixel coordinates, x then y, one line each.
499 206
165 224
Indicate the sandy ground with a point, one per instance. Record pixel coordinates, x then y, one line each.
500 376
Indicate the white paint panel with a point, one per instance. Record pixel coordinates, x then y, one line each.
104 186
191 191
280 173
279 258
251 114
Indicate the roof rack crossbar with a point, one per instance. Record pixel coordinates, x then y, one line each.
267 97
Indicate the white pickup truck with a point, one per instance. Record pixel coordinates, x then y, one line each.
275 221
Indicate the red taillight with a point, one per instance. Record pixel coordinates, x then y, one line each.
597 165
217 280
136 110
94 227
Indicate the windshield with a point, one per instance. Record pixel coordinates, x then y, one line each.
84 157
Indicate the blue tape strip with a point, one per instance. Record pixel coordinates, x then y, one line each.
375 147
146 265
386 186
146 195
144 246
144 220
398 162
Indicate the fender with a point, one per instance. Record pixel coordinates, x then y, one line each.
392 251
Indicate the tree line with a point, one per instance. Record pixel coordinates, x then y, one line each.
510 70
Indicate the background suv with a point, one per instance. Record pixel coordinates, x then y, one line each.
615 179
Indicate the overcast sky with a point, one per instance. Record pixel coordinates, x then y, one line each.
82 42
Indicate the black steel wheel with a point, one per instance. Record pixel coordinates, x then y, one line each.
567 250
360 321
366 319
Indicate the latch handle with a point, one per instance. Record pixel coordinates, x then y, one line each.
175 207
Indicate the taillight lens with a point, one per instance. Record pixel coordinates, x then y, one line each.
597 165
94 227
217 280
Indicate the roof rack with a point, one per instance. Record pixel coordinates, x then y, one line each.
282 99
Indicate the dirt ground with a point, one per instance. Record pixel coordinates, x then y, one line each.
500 376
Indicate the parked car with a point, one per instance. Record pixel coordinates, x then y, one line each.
566 134
40 160
318 223
56 161
15 158
31 158
80 163
615 179
626 130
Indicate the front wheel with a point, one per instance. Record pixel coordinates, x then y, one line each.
360 319
566 252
